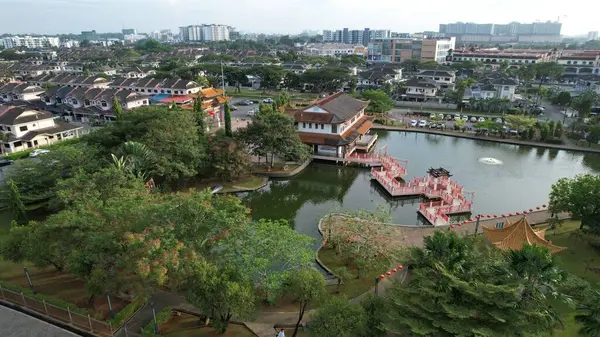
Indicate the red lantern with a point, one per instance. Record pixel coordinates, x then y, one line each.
382 276
459 224
477 217
394 270
538 208
524 212
504 216
495 216
517 213
451 226
488 216
400 267
544 206
388 273
530 210
510 214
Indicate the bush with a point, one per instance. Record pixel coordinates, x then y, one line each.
25 154
554 140
127 312
50 300
161 317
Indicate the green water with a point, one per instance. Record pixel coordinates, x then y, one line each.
522 182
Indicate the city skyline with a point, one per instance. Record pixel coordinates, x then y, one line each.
270 16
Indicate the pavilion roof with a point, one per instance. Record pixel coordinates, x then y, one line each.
514 236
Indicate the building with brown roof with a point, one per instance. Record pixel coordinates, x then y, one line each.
515 236
333 125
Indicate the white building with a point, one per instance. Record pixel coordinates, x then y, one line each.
327 36
444 78
495 85
380 34
420 89
32 42
27 128
205 33
334 49
19 91
69 44
592 36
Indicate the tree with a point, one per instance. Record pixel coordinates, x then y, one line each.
548 70
267 252
360 238
342 274
464 287
593 134
584 102
228 158
375 309
218 292
379 101
520 122
588 315
326 78
527 72
580 196
306 286
462 86
544 131
202 81
558 129
291 80
411 65
352 86
15 203
199 117
337 318
563 98
228 131
270 77
274 134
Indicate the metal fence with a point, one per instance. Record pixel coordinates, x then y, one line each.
82 322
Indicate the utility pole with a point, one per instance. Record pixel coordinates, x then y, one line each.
222 78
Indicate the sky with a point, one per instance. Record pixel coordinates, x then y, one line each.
283 16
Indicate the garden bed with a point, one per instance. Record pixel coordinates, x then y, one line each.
188 326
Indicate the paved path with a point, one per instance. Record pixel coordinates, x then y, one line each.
17 324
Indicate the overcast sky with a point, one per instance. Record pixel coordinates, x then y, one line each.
284 16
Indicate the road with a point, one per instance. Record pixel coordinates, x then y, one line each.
554 113
17 324
242 110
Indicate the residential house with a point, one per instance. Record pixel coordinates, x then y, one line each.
71 81
335 126
444 78
86 103
27 128
296 68
420 89
137 72
376 77
19 91
495 85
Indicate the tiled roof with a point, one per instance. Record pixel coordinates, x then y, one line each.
514 236
421 83
349 135
13 116
341 106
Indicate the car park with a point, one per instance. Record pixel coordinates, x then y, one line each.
413 123
37 152
422 123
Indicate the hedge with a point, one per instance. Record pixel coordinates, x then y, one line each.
50 300
25 154
126 313
161 317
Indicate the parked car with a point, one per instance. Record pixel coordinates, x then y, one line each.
37 152
480 119
449 117
498 120
422 123
251 113
441 116
456 116
246 102
473 119
233 107
413 123
5 162
465 118
267 100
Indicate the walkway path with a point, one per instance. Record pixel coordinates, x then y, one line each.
17 324
467 135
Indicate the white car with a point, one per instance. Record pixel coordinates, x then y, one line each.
37 152
499 120
422 123
465 118
480 119
413 123
456 116
267 100
432 115
473 119
251 113
441 116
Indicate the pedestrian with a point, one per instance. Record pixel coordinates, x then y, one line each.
281 332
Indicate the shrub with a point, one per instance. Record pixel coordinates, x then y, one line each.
50 300
25 154
161 317
126 313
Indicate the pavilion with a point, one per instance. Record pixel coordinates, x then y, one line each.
514 236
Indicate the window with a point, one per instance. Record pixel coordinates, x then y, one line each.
1 128
574 62
8 128
499 225
23 128
310 125
6 145
333 128
86 102
35 142
103 103
322 126
17 144
304 125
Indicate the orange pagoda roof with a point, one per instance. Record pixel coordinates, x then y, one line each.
514 236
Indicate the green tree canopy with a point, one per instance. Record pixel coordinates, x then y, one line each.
326 78
379 101
580 196
337 318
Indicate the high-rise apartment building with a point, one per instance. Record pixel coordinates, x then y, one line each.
592 36
355 36
31 42
511 32
129 31
328 36
198 33
345 36
398 50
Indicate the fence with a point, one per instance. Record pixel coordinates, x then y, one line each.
77 320
424 105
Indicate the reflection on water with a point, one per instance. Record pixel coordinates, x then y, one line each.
522 182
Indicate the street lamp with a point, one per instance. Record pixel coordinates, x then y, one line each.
29 280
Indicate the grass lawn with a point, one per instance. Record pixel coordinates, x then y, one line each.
188 326
578 255
583 143
277 168
354 286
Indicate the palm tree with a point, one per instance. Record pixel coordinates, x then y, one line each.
137 159
445 248
537 266
588 315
